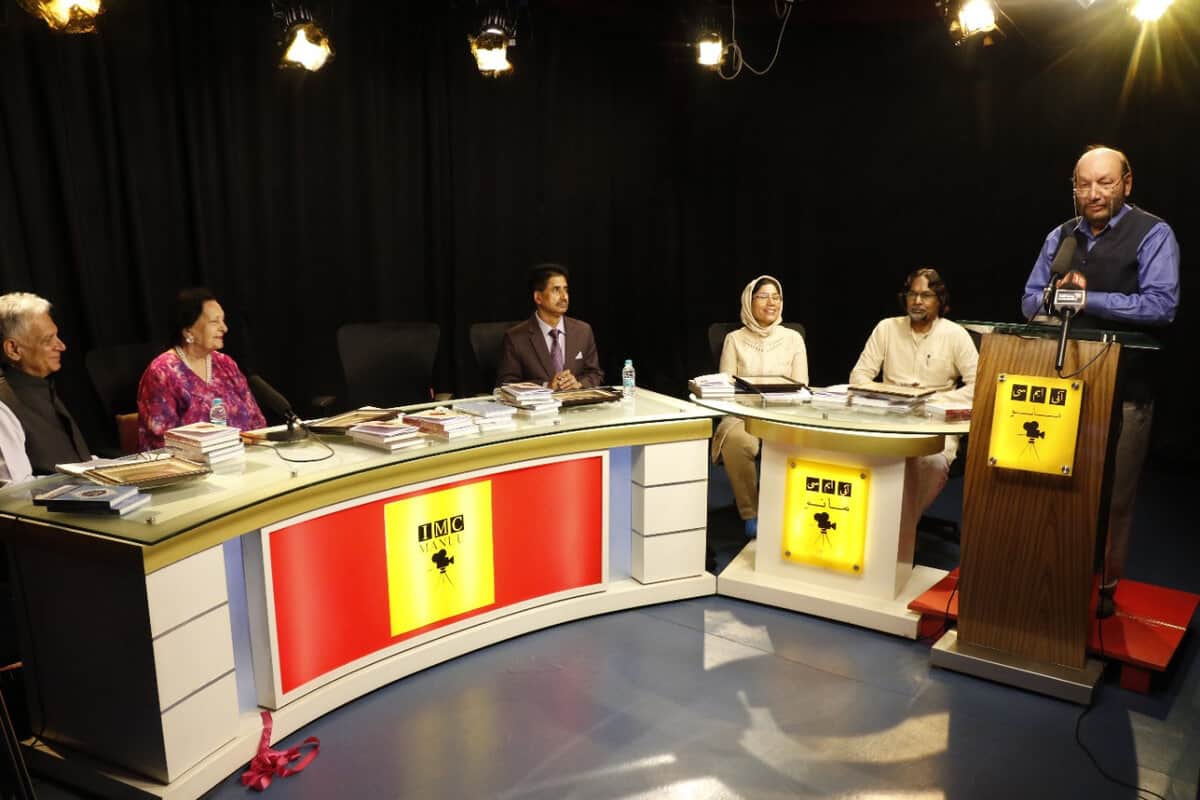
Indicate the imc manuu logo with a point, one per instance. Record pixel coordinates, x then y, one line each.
441 528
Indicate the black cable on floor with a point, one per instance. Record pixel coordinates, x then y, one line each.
1079 721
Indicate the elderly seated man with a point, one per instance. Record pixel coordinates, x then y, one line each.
32 353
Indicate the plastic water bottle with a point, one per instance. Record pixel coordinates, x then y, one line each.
628 378
217 413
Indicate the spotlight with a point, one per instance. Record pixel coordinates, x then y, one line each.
1149 10
490 45
976 16
969 17
65 16
305 45
710 50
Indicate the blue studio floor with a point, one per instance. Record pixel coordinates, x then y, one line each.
718 698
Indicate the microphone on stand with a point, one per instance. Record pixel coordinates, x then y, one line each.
266 394
1064 300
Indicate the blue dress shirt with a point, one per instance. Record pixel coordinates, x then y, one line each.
1158 277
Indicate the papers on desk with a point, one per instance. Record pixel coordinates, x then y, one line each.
836 396
719 385
206 443
948 411
88 498
887 398
78 469
144 470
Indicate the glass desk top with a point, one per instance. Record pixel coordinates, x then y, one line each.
264 474
845 419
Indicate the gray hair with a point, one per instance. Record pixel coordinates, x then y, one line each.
17 310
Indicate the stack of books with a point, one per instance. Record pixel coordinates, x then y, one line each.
206 443
443 423
88 498
837 396
531 400
886 398
718 385
391 435
489 415
948 411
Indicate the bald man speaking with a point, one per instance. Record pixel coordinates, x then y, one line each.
1127 261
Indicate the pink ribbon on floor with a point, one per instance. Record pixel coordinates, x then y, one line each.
270 763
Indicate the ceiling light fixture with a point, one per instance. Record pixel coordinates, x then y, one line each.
305 45
710 50
65 16
1149 10
490 45
969 18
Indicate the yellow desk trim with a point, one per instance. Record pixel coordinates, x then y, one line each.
859 442
271 511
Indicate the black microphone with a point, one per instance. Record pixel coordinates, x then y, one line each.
268 396
1066 301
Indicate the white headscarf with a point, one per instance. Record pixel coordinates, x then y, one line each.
748 313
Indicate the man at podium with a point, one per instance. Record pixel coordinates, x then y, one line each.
1127 261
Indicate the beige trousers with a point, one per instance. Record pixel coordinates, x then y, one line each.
1133 442
738 451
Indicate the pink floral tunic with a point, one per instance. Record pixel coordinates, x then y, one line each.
170 395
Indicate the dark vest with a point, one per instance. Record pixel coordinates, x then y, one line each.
1112 266
51 435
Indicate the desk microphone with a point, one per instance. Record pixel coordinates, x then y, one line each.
277 403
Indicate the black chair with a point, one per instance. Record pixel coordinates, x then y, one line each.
487 339
388 363
115 372
719 330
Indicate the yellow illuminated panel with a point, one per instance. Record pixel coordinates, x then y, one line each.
1035 423
825 515
439 555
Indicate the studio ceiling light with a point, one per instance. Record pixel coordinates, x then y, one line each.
65 16
305 45
977 16
969 18
1149 10
490 45
710 50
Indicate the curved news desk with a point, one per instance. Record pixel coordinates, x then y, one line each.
151 641
837 512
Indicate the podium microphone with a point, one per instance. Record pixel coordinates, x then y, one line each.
1066 301
268 396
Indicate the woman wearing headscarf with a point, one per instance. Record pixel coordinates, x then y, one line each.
762 346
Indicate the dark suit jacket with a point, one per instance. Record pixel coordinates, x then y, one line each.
48 441
525 356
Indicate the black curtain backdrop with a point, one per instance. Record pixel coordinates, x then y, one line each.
397 183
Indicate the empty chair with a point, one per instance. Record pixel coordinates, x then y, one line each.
487 339
388 363
719 330
115 372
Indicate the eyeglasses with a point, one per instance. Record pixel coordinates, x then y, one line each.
768 298
1103 186
924 297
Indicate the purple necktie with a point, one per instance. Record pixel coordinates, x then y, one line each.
556 351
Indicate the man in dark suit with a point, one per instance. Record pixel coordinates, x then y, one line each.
32 352
550 348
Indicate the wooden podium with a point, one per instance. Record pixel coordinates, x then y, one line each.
1028 538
